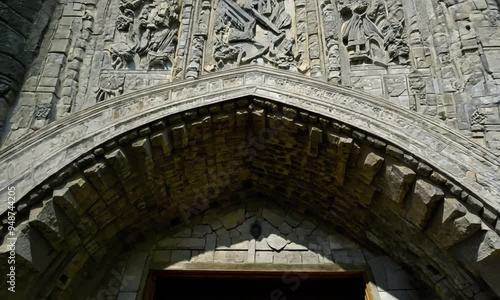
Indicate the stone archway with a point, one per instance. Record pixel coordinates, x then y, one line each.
290 244
390 177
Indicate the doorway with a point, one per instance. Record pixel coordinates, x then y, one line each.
252 285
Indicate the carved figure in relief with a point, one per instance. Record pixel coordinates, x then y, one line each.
130 4
110 85
371 35
395 43
194 67
125 20
121 55
477 119
331 25
360 34
255 31
150 39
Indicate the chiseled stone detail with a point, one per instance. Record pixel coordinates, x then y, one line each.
424 197
452 223
399 49
314 250
266 115
396 181
144 172
428 142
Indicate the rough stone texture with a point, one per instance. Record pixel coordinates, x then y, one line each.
369 125
128 186
437 58
22 24
388 276
452 223
423 199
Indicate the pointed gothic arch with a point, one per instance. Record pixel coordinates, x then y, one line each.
395 178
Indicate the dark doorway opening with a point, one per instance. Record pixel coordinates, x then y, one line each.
268 285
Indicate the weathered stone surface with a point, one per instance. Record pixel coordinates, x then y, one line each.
369 164
13 43
422 201
51 221
201 230
11 18
11 68
276 242
452 223
395 181
34 248
340 242
480 254
233 219
272 216
342 146
27 9
279 168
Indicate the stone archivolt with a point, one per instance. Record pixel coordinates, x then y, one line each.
393 179
434 57
381 194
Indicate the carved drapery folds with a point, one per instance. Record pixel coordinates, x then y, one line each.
331 23
147 35
253 32
319 38
110 85
279 33
373 31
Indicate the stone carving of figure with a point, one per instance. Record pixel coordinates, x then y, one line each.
161 50
360 34
110 85
274 10
194 67
395 43
225 53
125 20
153 38
121 55
131 4
236 39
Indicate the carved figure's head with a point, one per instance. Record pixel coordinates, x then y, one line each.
123 22
359 7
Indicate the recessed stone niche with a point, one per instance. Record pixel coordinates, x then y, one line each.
221 239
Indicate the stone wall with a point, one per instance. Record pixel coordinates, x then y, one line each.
173 169
22 29
221 239
438 58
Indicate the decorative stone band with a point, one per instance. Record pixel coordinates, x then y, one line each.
467 166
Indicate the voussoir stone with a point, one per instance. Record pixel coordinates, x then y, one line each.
452 223
423 199
395 180
369 163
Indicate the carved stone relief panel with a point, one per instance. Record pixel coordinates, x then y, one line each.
110 85
373 32
147 35
254 32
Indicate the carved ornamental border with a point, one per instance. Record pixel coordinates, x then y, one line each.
31 160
